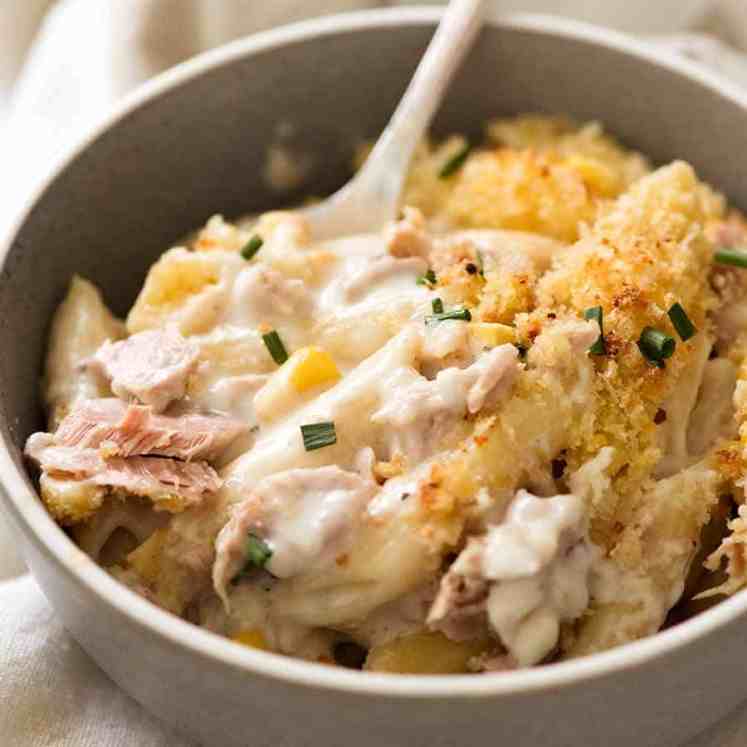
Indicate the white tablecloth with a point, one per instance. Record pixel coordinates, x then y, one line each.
84 56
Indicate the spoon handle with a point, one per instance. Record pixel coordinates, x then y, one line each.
370 199
410 121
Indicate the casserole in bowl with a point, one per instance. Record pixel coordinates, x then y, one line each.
140 205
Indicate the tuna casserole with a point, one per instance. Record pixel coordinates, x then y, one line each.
508 430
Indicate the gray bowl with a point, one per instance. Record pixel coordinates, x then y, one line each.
191 144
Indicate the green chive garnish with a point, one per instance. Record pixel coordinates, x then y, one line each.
462 315
480 263
455 162
318 435
257 552
252 246
595 314
685 328
275 345
656 346
428 279
731 256
438 306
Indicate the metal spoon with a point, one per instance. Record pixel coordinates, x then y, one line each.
369 200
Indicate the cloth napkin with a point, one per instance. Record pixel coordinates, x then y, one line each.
62 65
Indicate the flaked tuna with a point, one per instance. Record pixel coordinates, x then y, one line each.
125 430
151 367
174 484
523 578
409 237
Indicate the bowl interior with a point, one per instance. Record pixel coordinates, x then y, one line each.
199 148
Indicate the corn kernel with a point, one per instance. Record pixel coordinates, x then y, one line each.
424 653
312 367
598 176
253 638
492 333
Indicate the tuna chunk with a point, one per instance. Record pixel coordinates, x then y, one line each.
305 516
504 252
415 417
561 342
151 366
409 237
486 380
262 295
421 412
523 578
445 344
129 430
175 485
459 609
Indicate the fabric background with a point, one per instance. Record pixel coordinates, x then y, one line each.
62 65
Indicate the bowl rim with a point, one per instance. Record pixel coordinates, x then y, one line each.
27 510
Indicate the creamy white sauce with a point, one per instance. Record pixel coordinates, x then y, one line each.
310 517
409 400
407 392
539 561
532 570
368 280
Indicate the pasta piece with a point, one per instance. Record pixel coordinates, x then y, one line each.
138 520
678 409
221 235
713 416
650 562
187 289
81 324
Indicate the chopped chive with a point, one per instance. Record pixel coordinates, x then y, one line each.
252 246
681 322
656 346
318 435
731 256
595 314
428 279
522 351
257 552
455 162
438 306
275 345
480 263
462 315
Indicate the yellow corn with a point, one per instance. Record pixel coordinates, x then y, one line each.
424 653
596 175
253 638
492 333
312 367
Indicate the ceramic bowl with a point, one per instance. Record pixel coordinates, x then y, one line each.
193 143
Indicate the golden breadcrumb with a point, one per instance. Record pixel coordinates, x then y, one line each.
545 175
545 221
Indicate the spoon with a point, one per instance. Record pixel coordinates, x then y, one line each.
369 200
